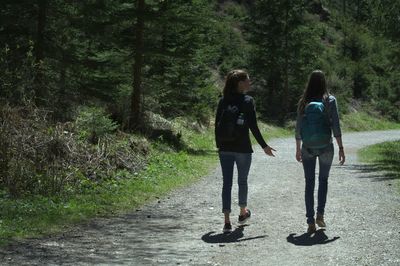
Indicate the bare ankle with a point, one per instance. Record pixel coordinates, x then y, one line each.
227 217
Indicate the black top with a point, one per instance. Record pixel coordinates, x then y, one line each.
242 143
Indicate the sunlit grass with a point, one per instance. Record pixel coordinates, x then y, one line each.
362 121
384 157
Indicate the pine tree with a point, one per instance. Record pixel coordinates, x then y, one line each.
285 51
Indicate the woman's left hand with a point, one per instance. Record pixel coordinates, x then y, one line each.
342 157
268 151
298 155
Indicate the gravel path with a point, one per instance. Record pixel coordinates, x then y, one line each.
362 216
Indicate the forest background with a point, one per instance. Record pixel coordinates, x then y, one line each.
97 94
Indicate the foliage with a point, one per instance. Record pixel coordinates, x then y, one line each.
16 79
359 62
83 51
365 55
286 45
38 158
93 123
31 153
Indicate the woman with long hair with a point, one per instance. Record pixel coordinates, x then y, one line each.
317 118
235 115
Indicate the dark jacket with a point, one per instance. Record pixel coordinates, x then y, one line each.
241 144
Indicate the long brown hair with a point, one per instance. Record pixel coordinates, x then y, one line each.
316 89
232 81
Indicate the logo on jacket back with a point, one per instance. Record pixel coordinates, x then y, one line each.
228 123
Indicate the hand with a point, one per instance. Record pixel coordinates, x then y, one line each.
298 155
342 157
268 151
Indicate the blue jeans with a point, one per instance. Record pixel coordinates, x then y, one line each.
243 162
309 157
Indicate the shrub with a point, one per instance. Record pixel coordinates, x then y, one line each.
30 152
93 123
37 157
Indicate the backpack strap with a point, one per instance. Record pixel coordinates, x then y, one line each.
327 108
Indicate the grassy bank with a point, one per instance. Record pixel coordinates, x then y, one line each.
363 121
384 157
167 169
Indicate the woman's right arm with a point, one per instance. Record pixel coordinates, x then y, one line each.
252 123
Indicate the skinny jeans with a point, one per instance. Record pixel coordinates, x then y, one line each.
228 160
309 157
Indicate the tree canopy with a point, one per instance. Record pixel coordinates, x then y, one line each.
168 57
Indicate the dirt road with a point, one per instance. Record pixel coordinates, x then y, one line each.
362 216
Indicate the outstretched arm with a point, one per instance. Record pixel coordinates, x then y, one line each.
252 123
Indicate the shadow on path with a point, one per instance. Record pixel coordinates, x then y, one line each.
384 169
306 239
234 236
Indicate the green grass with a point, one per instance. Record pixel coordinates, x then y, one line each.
40 215
383 157
269 132
166 170
362 121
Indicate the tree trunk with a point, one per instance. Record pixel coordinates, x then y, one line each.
358 11
40 90
164 31
344 7
271 84
135 116
285 94
62 102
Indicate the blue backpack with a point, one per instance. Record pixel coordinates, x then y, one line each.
315 127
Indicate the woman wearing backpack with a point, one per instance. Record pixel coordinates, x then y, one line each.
235 116
317 117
